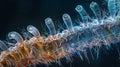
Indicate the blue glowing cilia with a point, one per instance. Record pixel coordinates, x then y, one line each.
91 33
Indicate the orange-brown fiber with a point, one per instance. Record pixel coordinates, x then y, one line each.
36 52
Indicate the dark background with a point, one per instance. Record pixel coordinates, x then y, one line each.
15 15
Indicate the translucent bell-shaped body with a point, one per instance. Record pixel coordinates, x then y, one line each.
84 15
50 25
16 36
96 10
112 7
68 22
118 6
33 30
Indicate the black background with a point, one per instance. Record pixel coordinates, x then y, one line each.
15 15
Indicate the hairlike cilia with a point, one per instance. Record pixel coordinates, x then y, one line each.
91 33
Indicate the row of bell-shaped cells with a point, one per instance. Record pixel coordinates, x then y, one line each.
67 20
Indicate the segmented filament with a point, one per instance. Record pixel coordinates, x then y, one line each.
41 49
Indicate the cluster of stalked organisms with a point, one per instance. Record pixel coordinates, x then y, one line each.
91 32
